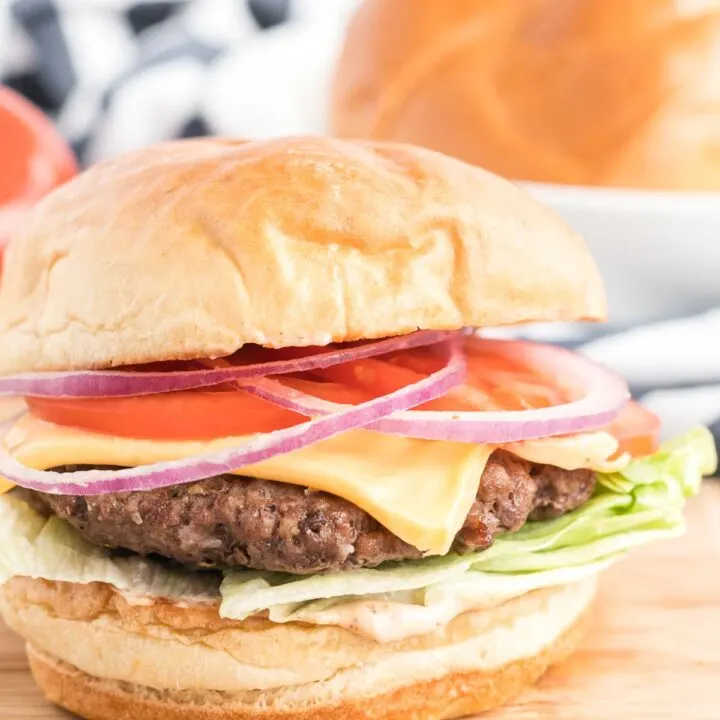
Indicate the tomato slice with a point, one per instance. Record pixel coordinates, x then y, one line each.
493 384
380 377
190 415
637 429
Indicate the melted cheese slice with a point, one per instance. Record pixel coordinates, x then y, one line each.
591 450
420 490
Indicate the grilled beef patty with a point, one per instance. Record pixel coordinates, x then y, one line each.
229 521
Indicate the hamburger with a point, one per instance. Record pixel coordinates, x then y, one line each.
591 92
271 465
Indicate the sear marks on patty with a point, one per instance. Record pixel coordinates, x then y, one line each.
228 521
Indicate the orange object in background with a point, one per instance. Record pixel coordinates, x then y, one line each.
34 158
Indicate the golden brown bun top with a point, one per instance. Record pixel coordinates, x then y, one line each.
194 248
594 92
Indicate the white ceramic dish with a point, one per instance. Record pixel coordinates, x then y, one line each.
659 252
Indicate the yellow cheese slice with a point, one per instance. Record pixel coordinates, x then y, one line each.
420 490
5 486
572 452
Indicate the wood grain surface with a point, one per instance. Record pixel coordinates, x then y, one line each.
654 653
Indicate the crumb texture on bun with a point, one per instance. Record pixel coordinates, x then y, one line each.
195 248
488 657
590 92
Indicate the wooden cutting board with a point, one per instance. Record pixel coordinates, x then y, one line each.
654 653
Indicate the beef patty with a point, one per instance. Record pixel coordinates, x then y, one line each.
228 521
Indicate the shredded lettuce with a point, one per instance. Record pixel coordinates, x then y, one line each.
641 503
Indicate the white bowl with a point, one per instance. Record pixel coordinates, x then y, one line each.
658 252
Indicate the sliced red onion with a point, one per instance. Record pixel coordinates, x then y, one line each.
123 383
604 395
256 449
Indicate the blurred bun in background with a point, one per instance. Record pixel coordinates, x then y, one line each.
586 92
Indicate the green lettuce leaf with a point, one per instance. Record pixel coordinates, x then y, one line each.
247 592
434 604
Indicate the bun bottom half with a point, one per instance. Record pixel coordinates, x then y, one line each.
450 676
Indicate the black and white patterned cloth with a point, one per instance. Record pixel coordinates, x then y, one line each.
117 75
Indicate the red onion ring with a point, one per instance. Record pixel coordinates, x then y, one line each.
256 449
605 395
124 383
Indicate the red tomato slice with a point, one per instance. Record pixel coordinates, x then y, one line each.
637 429
191 415
493 384
380 377
205 414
